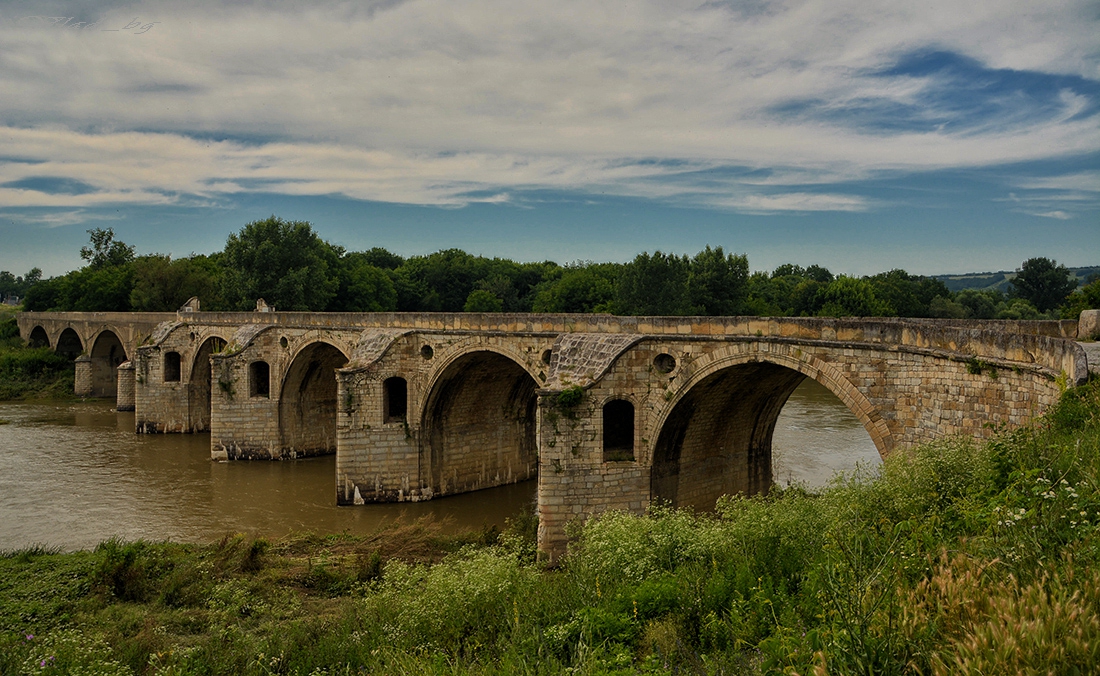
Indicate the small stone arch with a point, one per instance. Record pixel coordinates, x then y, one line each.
478 422
38 337
308 399
721 420
200 383
106 355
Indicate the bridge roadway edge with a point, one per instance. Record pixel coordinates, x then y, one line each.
997 372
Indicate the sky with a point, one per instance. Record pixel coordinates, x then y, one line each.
939 137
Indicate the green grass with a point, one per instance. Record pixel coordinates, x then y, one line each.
957 557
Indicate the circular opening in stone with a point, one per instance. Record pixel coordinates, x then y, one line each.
283 342
664 362
192 336
546 356
427 352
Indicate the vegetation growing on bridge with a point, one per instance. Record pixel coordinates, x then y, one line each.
292 268
955 558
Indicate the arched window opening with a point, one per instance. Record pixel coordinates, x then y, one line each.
171 367
395 400
259 379
618 430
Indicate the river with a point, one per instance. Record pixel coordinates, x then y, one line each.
75 474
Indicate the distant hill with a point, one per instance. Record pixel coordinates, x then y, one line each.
1002 280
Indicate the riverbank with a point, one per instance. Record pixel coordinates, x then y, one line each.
30 373
954 558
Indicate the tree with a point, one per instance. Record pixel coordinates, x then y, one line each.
381 258
718 283
852 297
654 285
364 287
578 288
481 300
163 285
1043 283
980 304
105 251
1085 298
283 262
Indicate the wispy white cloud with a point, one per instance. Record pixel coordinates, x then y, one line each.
1056 214
56 219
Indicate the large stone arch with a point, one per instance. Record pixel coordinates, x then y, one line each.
308 401
69 343
715 435
478 422
200 382
106 353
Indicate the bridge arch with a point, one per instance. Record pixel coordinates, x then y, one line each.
308 401
200 383
478 422
715 435
38 337
69 343
106 354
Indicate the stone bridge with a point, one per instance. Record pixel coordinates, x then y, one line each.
607 412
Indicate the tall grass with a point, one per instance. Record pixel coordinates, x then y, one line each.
956 557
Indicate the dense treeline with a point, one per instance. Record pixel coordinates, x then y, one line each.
292 268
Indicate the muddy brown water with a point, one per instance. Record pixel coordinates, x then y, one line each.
75 474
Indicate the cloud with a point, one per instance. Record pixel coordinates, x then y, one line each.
1057 214
758 107
58 219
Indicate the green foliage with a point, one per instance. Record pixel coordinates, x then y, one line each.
1085 298
11 285
980 304
283 262
852 297
570 398
588 287
655 284
907 295
481 300
943 307
363 286
9 331
163 285
717 282
104 251
1043 283
31 372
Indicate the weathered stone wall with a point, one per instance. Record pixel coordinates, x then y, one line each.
704 427
470 417
126 394
250 421
82 383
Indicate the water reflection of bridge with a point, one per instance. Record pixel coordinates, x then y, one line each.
608 412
